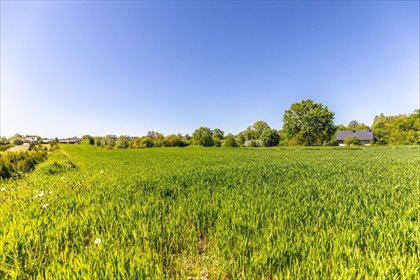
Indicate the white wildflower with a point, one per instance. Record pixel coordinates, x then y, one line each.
3 189
45 206
98 241
102 172
63 178
41 194
36 196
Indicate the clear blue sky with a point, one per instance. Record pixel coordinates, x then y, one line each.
111 67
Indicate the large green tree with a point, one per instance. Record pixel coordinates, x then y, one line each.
398 129
229 141
258 128
255 131
122 142
87 139
218 136
203 136
270 137
309 123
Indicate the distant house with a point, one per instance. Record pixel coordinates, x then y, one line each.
32 139
253 143
68 141
365 135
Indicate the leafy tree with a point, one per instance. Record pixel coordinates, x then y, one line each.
240 139
109 140
135 143
3 141
341 127
87 139
229 141
258 128
355 125
248 135
174 141
146 142
203 136
98 141
398 129
157 138
309 123
218 136
254 132
270 138
17 139
186 138
122 142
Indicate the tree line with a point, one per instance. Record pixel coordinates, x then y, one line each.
305 123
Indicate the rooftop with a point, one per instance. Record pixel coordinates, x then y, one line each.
365 134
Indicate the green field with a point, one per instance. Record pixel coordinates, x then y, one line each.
215 213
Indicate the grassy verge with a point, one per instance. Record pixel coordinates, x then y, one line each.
57 163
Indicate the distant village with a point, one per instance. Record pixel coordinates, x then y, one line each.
28 140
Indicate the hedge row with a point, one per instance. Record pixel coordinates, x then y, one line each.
15 164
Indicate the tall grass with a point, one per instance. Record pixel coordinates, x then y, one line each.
216 214
17 163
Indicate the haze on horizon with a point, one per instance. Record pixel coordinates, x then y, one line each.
72 68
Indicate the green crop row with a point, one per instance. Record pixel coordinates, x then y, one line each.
208 213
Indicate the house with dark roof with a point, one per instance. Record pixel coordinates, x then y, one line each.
365 135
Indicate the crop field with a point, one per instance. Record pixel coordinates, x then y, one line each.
215 213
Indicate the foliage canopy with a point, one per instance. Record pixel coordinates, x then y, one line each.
309 123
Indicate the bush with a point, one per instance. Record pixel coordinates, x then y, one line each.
332 142
270 137
353 141
5 147
6 170
54 146
229 141
255 143
59 162
18 163
58 167
174 141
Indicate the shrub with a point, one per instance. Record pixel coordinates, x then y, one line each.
5 147
229 141
270 137
58 162
58 167
22 162
255 143
353 141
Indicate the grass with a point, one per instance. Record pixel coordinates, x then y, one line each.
216 213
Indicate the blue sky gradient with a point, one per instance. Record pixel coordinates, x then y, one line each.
110 67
